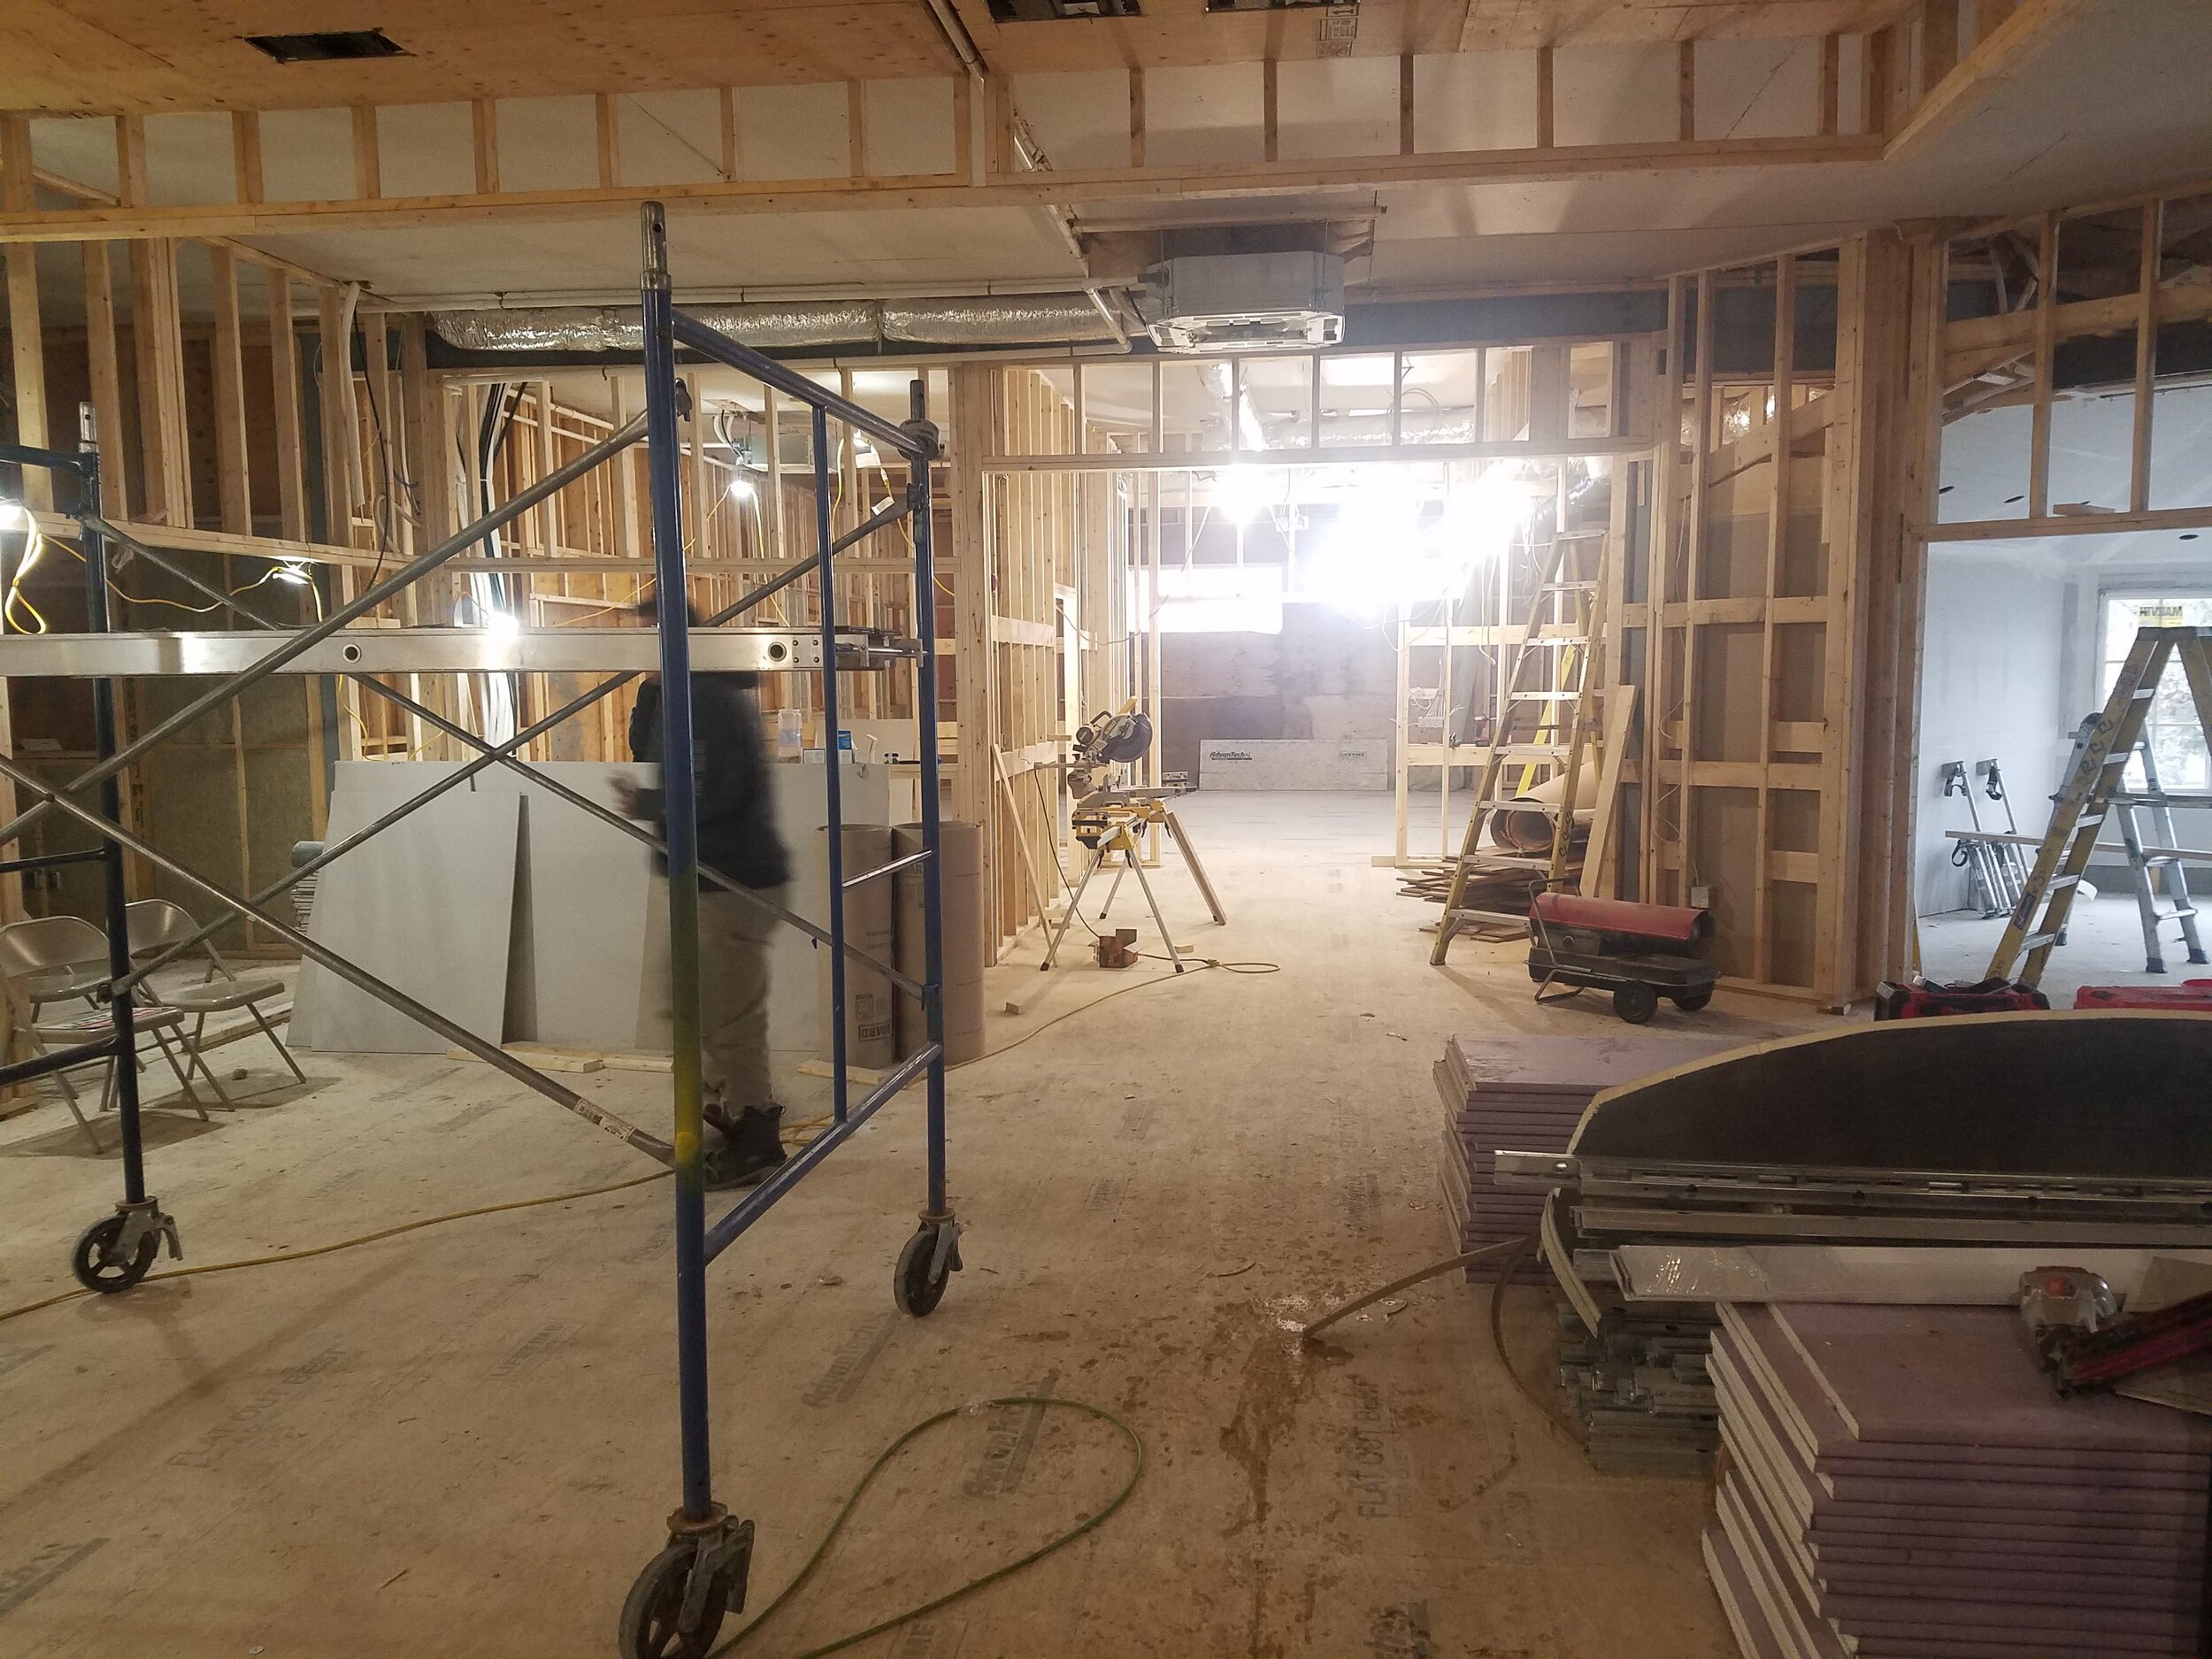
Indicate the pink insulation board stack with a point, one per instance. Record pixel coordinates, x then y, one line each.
1527 1095
1904 1483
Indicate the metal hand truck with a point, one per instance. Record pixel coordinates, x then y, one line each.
676 1604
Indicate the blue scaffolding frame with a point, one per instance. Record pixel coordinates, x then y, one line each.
677 1604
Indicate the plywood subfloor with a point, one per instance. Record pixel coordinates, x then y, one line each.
461 1441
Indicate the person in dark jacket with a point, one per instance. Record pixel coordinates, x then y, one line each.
735 811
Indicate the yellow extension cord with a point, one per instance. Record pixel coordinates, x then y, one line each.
588 1191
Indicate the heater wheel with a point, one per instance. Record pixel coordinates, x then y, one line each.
1690 1002
1635 1003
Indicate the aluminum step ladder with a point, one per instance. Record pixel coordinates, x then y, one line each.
2153 870
2096 784
1532 731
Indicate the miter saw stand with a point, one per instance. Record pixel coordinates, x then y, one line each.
1113 821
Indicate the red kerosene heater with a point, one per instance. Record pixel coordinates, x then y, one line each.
1639 952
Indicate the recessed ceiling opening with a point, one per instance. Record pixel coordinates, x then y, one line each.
329 46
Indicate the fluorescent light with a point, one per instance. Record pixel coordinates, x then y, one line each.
12 516
502 626
292 574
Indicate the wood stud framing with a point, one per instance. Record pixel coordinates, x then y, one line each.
245 145
368 155
1776 606
103 375
484 141
1004 178
2026 342
234 488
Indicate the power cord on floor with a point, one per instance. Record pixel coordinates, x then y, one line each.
1202 963
346 1244
589 1192
844 1514
1508 1255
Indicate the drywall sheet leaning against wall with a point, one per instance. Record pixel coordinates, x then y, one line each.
578 976
1326 763
426 906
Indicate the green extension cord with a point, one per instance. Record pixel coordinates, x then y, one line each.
1136 1471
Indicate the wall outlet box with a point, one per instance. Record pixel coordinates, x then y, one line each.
1700 898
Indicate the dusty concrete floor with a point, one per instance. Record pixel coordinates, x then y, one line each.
2104 946
461 1441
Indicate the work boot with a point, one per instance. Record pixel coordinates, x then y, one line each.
751 1150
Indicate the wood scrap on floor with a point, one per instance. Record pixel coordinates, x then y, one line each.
1502 894
552 1058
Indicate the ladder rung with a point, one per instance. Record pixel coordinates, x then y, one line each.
2067 882
1568 588
2036 941
1549 809
2175 914
1538 749
1543 696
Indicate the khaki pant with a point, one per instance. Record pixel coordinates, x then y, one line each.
733 999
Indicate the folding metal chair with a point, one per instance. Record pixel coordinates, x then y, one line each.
56 958
154 925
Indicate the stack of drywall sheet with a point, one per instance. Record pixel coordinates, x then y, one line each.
1527 1095
1904 1483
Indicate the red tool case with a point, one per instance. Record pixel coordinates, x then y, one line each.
2191 996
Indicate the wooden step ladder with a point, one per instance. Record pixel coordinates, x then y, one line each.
2094 788
1541 707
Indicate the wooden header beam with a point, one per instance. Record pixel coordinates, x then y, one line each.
135 221
2001 54
1008 175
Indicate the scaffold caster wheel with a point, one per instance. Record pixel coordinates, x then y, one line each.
930 1257
1690 1002
1635 1004
669 1613
114 1252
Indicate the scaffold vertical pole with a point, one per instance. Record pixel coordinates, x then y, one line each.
833 757
116 1251
677 1604
934 1211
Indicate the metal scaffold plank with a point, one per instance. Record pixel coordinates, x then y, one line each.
420 651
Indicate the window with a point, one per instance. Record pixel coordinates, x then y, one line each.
2176 739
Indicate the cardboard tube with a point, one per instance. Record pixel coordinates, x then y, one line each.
871 1021
1531 832
961 852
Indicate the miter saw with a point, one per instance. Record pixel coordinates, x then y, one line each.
1110 820
1103 747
